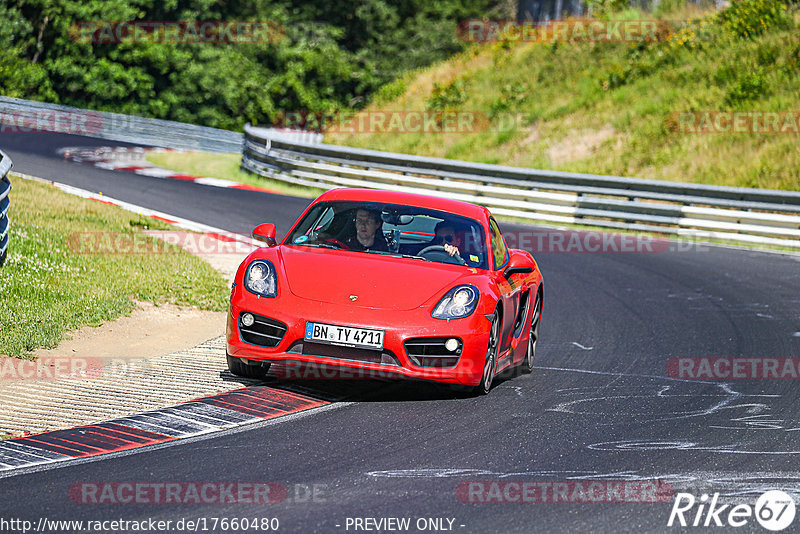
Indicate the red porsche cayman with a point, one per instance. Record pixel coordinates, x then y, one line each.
392 284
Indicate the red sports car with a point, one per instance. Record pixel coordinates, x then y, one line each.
380 283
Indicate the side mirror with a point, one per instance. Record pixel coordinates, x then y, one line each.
265 232
517 264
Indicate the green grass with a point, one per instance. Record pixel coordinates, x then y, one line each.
225 166
49 289
609 108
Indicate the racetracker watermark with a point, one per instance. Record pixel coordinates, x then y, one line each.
738 122
595 242
467 368
155 242
178 493
251 523
74 122
724 368
568 30
312 371
400 121
173 32
571 491
51 368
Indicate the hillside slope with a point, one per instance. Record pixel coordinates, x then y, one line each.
615 107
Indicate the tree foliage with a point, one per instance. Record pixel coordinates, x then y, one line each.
333 56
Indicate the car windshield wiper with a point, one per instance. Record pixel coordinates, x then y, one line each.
396 254
320 245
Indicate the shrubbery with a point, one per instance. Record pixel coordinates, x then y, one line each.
334 55
734 26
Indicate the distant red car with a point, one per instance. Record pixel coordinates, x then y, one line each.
380 283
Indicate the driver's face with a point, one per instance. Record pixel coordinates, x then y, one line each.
366 225
448 235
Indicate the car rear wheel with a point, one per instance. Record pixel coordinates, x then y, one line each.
530 355
490 364
238 368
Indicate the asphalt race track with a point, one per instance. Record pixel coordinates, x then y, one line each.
600 407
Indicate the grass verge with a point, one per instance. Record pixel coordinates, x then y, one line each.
49 289
224 166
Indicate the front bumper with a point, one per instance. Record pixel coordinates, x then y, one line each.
398 327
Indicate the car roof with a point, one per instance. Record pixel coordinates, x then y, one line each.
473 211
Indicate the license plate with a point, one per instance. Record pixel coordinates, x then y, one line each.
348 336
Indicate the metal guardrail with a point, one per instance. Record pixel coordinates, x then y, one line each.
760 216
5 202
287 135
29 115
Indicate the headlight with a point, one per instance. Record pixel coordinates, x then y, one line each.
459 302
260 278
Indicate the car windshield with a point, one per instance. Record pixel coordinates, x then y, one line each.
393 230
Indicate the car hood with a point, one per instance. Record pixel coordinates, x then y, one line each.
380 282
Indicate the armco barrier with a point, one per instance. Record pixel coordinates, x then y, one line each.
5 202
18 115
29 115
759 216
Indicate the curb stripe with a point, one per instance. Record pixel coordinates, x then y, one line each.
163 219
82 441
200 416
103 201
95 156
283 403
16 454
50 445
171 219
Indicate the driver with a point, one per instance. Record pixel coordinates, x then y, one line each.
448 237
367 236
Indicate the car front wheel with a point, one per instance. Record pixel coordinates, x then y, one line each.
490 364
527 363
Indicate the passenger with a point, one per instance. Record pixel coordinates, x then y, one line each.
368 235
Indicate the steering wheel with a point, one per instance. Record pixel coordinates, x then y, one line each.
438 253
327 238
334 241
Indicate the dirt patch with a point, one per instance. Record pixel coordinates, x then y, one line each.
150 330
147 332
578 145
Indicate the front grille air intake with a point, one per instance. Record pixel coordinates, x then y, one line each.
264 332
431 352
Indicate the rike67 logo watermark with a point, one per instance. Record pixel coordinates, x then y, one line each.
774 510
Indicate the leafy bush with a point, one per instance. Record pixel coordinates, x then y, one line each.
749 18
748 86
390 91
600 8
333 56
512 96
447 97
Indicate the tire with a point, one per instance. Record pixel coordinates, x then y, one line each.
247 371
527 364
490 364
